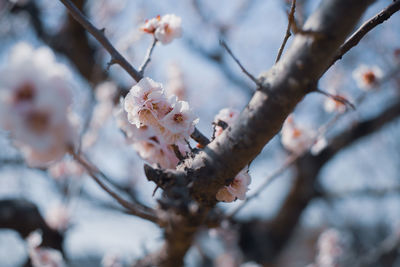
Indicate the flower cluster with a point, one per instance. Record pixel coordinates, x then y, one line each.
42 257
153 123
34 104
147 105
239 186
165 28
367 76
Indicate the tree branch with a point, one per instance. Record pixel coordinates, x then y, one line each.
100 37
133 209
356 37
288 34
24 217
277 232
283 87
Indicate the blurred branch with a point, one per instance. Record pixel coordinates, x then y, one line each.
217 56
277 232
356 37
24 217
71 40
133 208
384 254
288 34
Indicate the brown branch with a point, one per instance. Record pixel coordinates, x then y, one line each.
283 87
288 34
278 231
356 37
24 217
133 208
100 37
199 138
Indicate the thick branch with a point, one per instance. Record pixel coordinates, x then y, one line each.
132 208
277 232
283 87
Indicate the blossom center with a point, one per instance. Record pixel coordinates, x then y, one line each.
25 92
369 77
178 118
38 121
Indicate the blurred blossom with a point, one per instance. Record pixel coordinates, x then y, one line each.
35 101
65 169
111 260
298 140
42 257
58 217
104 94
329 248
333 105
295 139
165 28
367 76
175 84
226 260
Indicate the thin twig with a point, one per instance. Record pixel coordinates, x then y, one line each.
99 35
224 45
132 208
147 59
355 38
288 34
337 98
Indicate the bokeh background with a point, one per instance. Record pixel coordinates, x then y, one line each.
358 189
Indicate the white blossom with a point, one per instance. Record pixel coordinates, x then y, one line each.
227 115
237 189
42 257
147 105
175 84
65 168
58 217
296 139
34 104
179 123
329 248
367 76
333 105
239 186
165 28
